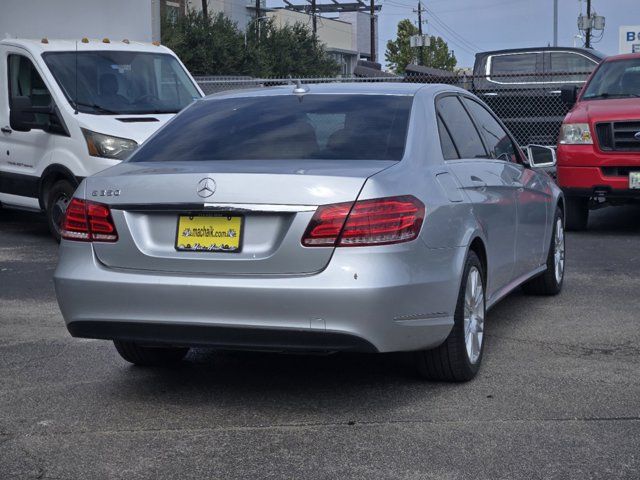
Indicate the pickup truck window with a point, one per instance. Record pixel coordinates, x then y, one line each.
568 63
515 68
25 81
615 79
463 131
122 82
495 137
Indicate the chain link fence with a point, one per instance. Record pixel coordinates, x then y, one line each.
530 105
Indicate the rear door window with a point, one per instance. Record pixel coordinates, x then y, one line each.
496 139
516 68
449 151
569 67
341 127
462 130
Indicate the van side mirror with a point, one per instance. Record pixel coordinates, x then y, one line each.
541 156
21 117
569 94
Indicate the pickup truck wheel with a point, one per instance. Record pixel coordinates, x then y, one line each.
145 356
57 200
458 358
577 213
550 282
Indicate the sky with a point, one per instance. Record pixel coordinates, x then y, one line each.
471 26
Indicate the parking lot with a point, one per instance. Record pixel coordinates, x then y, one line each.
558 395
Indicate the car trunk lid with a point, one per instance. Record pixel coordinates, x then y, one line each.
274 199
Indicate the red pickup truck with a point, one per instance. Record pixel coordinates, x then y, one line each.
599 142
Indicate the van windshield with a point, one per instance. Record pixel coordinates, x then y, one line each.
615 79
120 82
284 127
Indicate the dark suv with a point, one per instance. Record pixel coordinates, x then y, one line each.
522 86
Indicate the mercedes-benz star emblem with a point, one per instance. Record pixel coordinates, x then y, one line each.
637 136
206 187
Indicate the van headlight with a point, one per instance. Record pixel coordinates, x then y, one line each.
106 146
575 134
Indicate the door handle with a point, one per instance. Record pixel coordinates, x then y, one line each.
5 130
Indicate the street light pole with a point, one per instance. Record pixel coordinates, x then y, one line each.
421 47
587 33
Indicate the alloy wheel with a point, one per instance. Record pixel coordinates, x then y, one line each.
558 250
474 315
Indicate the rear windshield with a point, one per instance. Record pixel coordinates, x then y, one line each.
349 127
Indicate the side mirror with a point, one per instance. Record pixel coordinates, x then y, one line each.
569 94
21 117
541 156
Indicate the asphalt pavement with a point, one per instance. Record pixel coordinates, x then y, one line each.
558 395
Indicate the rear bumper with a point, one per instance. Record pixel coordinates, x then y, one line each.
387 301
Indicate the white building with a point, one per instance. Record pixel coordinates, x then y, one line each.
337 35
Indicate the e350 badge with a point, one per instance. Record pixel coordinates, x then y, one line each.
106 193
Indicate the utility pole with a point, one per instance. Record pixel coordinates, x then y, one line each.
587 32
313 17
373 32
421 47
258 20
205 9
555 23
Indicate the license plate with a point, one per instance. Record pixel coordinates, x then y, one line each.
634 180
209 233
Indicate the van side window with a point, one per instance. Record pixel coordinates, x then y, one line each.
496 139
25 81
463 132
449 151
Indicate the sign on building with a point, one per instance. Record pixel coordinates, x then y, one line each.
630 39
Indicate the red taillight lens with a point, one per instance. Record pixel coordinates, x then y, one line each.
88 221
380 221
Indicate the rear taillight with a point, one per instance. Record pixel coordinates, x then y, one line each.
88 222
380 221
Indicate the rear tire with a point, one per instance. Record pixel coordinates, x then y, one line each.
577 213
458 358
57 200
145 356
550 282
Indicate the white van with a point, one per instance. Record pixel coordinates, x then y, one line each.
69 109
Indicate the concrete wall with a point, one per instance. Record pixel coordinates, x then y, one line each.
336 35
361 38
69 19
235 10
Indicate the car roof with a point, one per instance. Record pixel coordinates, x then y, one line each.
40 46
624 56
585 51
361 88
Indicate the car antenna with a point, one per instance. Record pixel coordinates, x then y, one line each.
75 102
300 90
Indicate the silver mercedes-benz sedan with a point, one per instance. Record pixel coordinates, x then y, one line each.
319 218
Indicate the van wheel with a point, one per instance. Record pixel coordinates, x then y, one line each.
458 358
145 356
57 200
550 282
577 213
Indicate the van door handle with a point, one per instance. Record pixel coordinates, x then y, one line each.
5 130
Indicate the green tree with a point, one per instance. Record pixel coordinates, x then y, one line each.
290 50
399 52
214 45
207 45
